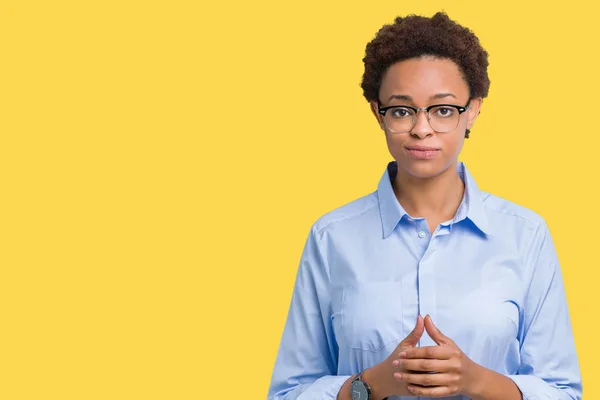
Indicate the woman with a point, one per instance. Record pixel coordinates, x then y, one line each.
427 287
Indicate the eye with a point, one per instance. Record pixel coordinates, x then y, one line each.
443 112
400 112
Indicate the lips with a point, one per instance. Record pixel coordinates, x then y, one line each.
421 148
422 152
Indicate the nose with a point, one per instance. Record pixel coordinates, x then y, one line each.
422 128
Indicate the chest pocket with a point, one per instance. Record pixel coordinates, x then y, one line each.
371 315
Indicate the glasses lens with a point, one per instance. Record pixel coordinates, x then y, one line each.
400 119
443 118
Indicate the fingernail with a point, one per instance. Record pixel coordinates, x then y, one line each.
402 355
398 375
396 363
411 388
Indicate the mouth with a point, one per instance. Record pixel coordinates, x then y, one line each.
422 152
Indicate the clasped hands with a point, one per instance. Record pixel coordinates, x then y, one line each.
431 371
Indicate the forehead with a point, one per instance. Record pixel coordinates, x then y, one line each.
421 78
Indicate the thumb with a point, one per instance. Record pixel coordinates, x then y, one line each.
413 338
434 333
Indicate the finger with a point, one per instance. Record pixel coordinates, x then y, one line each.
431 352
413 338
431 379
424 365
436 391
434 333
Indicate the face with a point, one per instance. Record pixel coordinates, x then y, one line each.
420 82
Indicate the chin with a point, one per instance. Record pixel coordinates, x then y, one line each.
422 169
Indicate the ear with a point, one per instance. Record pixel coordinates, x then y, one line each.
473 111
375 110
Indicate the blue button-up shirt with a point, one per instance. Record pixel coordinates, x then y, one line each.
489 278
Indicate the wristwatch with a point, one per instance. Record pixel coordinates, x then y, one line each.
359 389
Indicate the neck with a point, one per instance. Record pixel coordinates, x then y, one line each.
438 196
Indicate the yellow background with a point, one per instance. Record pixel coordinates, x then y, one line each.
161 163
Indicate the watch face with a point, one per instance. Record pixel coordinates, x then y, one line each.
359 391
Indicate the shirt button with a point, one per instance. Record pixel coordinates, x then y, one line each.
421 234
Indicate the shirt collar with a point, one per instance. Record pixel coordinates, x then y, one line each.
391 210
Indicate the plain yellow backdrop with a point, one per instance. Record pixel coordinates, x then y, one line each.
161 163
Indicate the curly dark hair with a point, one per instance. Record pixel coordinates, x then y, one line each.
415 36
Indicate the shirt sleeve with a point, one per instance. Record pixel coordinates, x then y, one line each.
549 367
306 363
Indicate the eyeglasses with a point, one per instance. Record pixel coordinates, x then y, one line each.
442 117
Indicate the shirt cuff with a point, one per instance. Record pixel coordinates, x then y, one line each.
324 388
534 388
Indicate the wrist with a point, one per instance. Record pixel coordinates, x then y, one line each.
373 377
477 381
492 385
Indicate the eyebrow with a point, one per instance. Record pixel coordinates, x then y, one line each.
408 98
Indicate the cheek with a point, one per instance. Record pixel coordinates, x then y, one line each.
395 145
454 144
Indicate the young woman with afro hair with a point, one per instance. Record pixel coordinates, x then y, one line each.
428 287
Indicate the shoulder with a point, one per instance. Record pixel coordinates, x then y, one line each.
503 211
347 214
525 228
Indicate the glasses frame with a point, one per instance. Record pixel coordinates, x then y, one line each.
460 109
